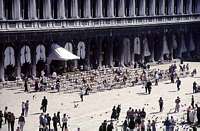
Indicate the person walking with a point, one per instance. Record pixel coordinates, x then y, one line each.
55 122
26 108
153 125
1 119
26 85
9 120
81 94
58 116
48 121
167 124
118 111
192 102
161 104
198 114
44 104
177 102
64 122
194 87
5 114
178 83
149 84
23 108
172 123
21 122
12 122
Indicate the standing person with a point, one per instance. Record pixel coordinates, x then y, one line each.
55 122
64 121
26 108
58 116
156 78
1 119
48 121
153 125
114 113
81 94
23 108
5 114
118 112
9 120
198 114
194 87
44 104
177 102
178 83
26 85
110 126
161 104
149 125
192 102
41 117
12 121
21 122
172 123
149 86
167 124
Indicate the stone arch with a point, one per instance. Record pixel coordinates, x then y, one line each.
9 56
69 47
25 53
126 53
137 46
25 60
81 50
9 63
146 50
40 53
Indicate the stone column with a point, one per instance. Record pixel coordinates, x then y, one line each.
87 9
152 8
189 7
2 12
111 53
132 8
17 10
99 9
162 7
61 9
171 7
2 70
74 9
33 62
18 64
88 54
121 10
32 14
110 8
100 57
180 7
47 9
142 7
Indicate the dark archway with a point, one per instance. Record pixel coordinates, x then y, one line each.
10 73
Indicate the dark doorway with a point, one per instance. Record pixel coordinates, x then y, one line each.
26 70
40 67
10 73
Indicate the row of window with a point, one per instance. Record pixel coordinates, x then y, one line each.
8 6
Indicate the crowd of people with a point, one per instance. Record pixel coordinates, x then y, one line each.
106 79
9 118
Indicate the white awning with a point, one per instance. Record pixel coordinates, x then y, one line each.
60 53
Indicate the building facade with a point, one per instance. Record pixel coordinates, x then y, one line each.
101 32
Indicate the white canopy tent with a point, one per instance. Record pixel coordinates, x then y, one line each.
60 53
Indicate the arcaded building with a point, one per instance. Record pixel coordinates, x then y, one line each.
102 32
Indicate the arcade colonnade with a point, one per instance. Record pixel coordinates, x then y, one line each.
100 51
63 9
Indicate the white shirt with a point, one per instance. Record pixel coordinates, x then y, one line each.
64 119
